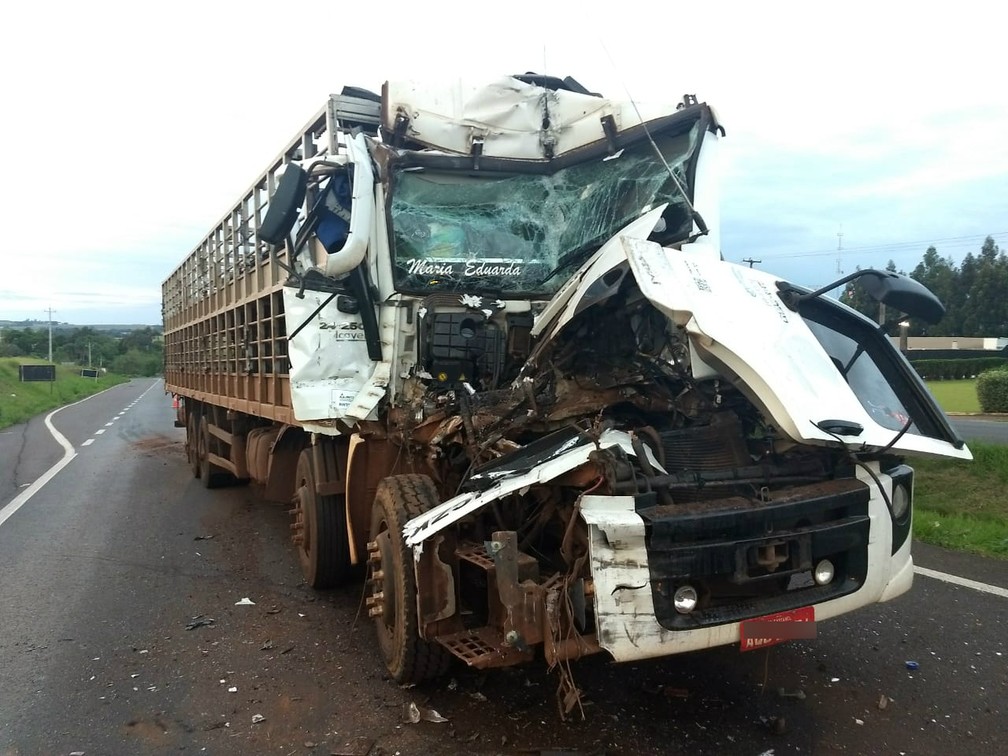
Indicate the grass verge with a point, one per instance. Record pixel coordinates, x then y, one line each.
955 396
961 505
22 401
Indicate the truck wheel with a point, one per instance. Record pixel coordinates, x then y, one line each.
192 443
392 597
211 475
319 530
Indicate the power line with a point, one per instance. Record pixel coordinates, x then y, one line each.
908 246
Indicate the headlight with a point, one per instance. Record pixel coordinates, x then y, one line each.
900 502
824 572
685 599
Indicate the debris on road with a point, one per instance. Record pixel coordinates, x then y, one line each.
257 718
200 620
799 694
413 714
883 701
912 665
246 601
776 725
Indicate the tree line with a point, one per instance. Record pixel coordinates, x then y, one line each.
137 352
974 292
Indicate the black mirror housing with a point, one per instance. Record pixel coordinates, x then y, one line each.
284 205
904 293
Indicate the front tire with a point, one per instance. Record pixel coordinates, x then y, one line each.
392 580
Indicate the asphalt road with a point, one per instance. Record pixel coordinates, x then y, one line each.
103 568
993 430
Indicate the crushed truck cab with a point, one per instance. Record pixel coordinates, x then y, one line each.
485 341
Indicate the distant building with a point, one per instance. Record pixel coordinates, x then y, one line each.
951 347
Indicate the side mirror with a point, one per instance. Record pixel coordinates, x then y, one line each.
284 205
903 293
892 289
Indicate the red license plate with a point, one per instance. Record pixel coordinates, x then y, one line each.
772 629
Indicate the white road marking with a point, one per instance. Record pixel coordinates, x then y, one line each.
68 454
8 510
88 442
99 431
109 425
964 582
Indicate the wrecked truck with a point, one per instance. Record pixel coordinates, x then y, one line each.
483 342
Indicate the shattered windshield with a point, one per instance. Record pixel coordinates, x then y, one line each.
510 233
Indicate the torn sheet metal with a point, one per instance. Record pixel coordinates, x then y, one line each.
568 457
734 314
565 303
509 118
331 375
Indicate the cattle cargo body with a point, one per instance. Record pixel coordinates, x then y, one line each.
483 338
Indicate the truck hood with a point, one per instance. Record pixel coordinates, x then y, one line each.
740 331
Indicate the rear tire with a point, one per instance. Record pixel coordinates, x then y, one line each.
323 548
192 442
408 658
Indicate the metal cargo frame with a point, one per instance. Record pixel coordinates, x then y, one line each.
224 328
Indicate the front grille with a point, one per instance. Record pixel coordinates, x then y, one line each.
748 557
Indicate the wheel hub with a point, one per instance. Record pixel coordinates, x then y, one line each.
381 602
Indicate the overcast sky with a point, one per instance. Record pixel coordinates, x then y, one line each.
128 129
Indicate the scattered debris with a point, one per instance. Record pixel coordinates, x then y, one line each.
799 694
203 537
233 689
267 646
413 714
883 701
246 601
912 665
858 721
835 680
200 620
359 746
776 725
257 718
477 696
273 610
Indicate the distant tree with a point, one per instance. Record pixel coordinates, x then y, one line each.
141 339
939 275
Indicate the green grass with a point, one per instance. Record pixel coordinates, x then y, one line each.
961 505
955 396
22 401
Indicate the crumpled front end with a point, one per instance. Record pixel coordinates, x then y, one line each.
672 476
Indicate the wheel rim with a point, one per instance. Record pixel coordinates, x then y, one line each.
383 603
302 522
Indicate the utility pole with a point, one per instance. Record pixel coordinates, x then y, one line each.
50 334
839 248
750 261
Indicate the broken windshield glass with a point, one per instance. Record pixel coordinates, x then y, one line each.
508 233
